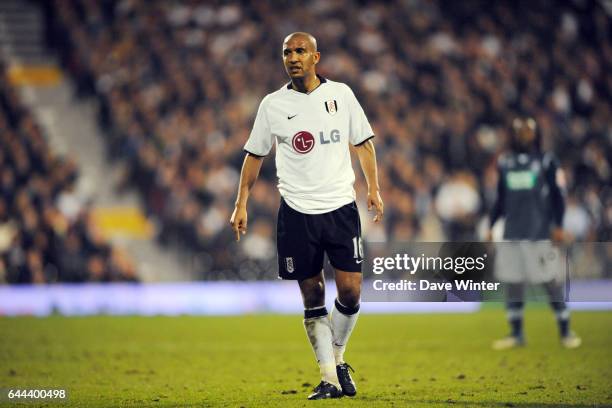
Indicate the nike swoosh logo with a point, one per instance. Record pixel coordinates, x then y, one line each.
291 117
359 261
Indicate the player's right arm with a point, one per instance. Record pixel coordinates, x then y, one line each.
257 147
248 175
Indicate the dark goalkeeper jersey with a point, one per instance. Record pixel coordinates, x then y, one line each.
528 196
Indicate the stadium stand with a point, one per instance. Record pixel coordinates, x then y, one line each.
46 233
179 84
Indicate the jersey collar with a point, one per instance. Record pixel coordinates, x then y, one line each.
322 79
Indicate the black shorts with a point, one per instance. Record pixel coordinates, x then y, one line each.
302 240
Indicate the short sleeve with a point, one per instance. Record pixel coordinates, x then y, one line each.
359 127
261 139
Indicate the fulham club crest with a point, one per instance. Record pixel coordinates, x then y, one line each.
331 107
289 265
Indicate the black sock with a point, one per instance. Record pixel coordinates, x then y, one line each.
515 318
563 327
562 314
516 327
557 302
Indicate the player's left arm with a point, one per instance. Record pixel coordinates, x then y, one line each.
499 208
556 183
367 159
360 136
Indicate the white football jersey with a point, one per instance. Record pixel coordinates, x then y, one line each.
312 133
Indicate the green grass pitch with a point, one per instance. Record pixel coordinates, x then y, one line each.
265 360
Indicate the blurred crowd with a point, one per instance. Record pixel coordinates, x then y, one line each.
179 83
46 232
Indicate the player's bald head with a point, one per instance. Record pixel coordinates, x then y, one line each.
300 35
300 56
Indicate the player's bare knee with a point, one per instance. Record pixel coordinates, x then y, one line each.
313 293
349 296
314 298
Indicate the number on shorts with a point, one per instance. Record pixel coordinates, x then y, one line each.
357 248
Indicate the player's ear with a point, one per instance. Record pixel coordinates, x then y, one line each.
317 57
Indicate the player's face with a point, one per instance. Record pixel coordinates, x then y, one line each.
299 57
525 132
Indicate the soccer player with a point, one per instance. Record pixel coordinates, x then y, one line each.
313 121
530 196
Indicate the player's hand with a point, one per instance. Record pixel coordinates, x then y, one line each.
489 244
239 221
374 201
557 235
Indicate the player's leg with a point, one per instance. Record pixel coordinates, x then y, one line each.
319 332
515 303
346 310
343 246
344 317
557 301
300 257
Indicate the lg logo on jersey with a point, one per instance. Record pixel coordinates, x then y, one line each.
304 141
